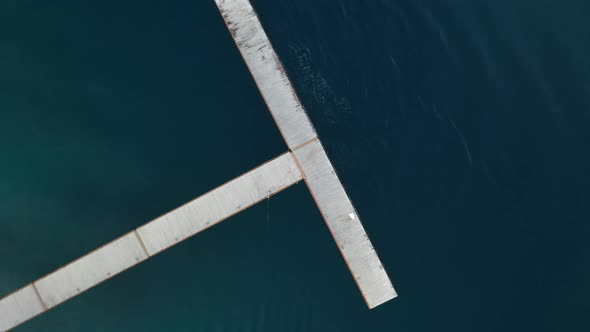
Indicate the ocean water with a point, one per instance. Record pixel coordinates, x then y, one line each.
459 128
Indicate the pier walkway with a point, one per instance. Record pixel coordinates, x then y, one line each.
307 160
148 240
300 136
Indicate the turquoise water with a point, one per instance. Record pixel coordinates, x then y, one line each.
459 128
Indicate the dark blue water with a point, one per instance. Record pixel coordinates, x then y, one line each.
459 128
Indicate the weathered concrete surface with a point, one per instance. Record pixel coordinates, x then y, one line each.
220 203
90 270
299 134
344 224
268 72
18 307
138 245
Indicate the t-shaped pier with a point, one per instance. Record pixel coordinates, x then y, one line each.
307 160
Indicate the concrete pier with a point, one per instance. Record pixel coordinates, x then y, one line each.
299 134
150 239
307 161
19 306
344 224
90 270
220 204
268 72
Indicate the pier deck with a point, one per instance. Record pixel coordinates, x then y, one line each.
307 161
299 134
148 240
